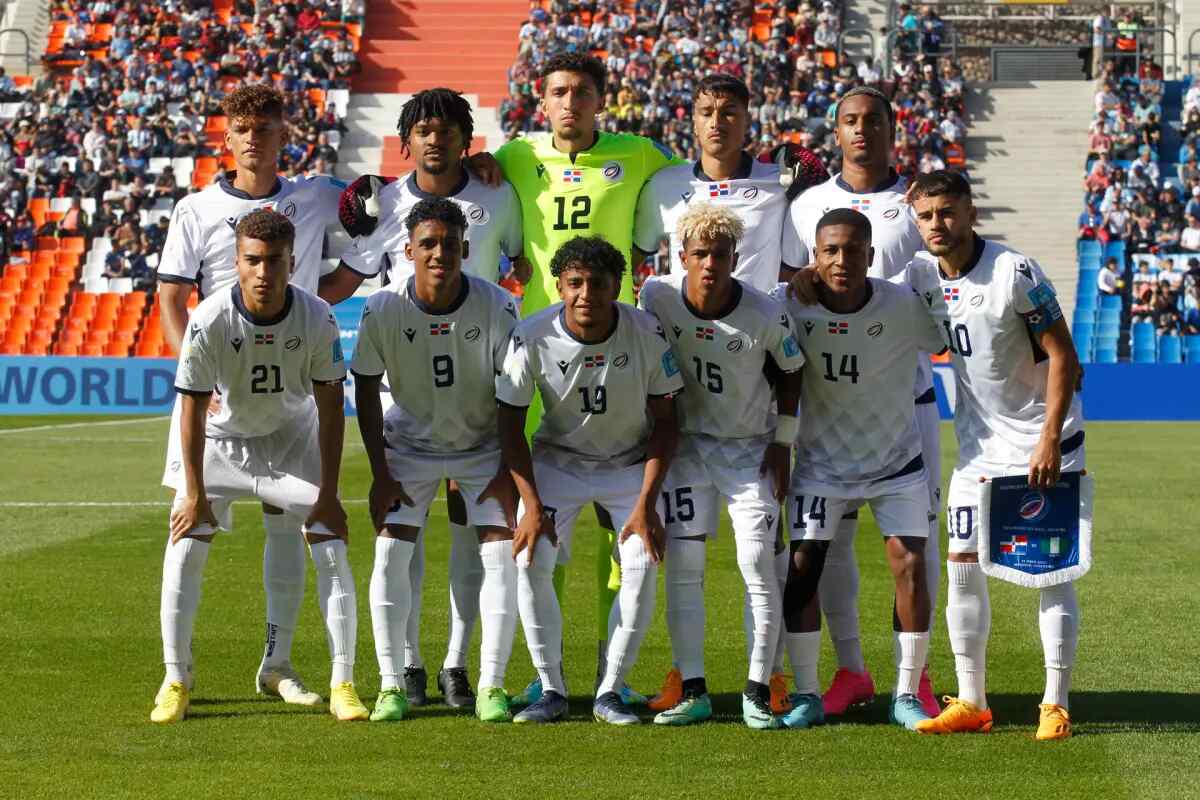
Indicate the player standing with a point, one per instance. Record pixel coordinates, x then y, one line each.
859 445
200 252
270 349
726 334
441 339
608 380
1015 372
436 128
865 132
577 181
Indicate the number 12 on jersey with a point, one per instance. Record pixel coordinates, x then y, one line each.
581 207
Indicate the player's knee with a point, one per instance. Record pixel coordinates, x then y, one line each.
908 567
540 564
456 507
804 577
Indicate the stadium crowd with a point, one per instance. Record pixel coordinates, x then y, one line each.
786 52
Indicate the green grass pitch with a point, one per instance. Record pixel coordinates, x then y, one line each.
80 653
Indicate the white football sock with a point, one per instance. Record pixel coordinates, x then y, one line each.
804 651
1058 619
839 597
968 622
783 562
284 561
416 579
391 601
183 573
914 653
756 560
684 582
466 580
498 602
335 594
929 424
639 579
541 617
933 570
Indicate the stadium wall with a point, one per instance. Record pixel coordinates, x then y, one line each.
74 385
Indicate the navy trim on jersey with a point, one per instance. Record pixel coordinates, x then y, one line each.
424 195
735 297
236 292
1072 444
463 291
908 469
562 321
165 278
929 397
503 404
976 254
891 180
368 376
192 392
342 264
228 187
745 165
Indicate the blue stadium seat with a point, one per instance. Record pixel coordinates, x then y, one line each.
1085 316
1083 346
1144 355
1170 350
1088 262
1086 302
1081 329
1112 315
1090 247
1108 330
1115 249
1142 331
1106 355
1191 343
1193 356
1109 301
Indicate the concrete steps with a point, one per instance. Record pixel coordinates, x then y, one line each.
1026 150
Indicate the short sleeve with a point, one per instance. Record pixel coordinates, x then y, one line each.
648 228
792 249
647 294
180 260
365 253
655 157
514 233
926 333
503 323
327 364
368 350
665 379
515 383
781 344
1033 296
196 372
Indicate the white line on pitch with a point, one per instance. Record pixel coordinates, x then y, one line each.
66 425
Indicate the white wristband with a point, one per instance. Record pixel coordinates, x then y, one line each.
787 428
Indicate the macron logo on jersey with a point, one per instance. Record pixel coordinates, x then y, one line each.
594 361
722 189
705 334
264 338
572 176
950 294
839 327
439 329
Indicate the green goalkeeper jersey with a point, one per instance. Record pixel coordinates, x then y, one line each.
593 193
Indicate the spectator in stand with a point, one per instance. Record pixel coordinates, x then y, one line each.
1143 172
1109 281
1189 238
1116 222
1090 221
1099 141
1193 205
1143 237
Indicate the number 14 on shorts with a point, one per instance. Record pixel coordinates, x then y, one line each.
806 511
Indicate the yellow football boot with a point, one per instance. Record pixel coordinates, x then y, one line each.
958 716
171 704
1055 723
345 705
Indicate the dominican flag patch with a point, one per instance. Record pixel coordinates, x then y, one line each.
594 361
839 327
860 203
705 334
950 293
1015 545
439 329
722 189
264 338
572 176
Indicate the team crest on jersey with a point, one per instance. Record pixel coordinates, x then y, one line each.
612 171
237 344
705 334
594 361
750 192
292 343
562 366
572 175
289 210
477 216
621 361
891 213
472 334
410 333
874 329
735 345
839 327
678 331
950 294
808 326
722 189
264 338
977 300
439 328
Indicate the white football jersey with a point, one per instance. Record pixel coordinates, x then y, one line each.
754 194
264 370
593 395
894 235
493 227
201 246
441 367
857 419
725 414
988 317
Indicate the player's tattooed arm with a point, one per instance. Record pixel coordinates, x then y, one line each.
777 460
535 522
385 491
660 451
193 509
327 519
1064 375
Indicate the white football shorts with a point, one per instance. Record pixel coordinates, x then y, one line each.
694 490
422 474
899 509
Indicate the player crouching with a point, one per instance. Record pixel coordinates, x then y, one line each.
441 339
270 349
608 382
726 334
859 445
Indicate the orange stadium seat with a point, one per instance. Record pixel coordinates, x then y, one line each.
91 350
46 242
73 244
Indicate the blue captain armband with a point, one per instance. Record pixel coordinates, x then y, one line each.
1046 310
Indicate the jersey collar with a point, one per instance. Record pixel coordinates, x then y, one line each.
866 302
226 184
562 323
236 292
976 254
595 141
735 297
887 183
417 191
743 171
425 309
